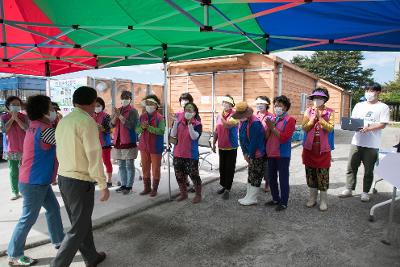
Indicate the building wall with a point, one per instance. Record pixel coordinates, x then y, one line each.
339 100
256 75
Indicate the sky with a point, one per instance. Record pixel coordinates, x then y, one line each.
382 62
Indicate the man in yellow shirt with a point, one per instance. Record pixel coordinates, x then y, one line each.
79 156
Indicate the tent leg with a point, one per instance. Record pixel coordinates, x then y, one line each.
167 128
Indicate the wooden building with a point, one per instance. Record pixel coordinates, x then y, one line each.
245 77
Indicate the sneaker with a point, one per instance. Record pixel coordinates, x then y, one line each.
346 193
126 190
121 189
271 203
22 261
364 197
15 196
225 195
221 191
280 207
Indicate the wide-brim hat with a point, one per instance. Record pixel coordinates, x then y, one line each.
242 111
317 93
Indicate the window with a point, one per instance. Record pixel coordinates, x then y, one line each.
303 102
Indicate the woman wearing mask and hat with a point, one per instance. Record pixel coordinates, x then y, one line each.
14 125
252 142
187 131
125 120
103 123
226 133
318 122
262 106
279 146
151 143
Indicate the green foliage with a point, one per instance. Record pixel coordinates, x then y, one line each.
391 91
342 68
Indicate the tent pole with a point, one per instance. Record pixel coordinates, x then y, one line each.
213 101
166 133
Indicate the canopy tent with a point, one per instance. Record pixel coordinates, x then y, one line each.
46 38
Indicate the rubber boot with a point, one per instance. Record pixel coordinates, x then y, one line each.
197 197
155 187
251 196
184 193
312 199
323 199
147 186
247 194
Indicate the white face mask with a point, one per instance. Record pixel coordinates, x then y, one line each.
261 107
52 116
370 96
183 103
188 115
98 109
125 102
278 111
15 108
150 109
318 102
226 106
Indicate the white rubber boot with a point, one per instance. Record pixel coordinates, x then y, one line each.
247 194
323 198
252 197
312 199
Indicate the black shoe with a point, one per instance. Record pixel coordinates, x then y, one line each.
119 190
191 190
222 190
271 203
280 207
109 185
126 190
100 258
225 195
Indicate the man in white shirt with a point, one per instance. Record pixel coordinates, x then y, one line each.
366 142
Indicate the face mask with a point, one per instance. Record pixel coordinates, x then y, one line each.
15 108
188 115
261 107
125 102
98 109
52 116
226 106
278 111
150 109
318 102
370 96
183 103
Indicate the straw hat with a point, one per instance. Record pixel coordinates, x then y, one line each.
242 111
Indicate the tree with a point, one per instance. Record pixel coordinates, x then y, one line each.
342 68
391 91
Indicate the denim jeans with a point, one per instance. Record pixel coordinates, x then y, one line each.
127 172
34 198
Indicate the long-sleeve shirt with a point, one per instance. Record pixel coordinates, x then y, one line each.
79 150
308 123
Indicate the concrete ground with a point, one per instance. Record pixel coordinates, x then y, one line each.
223 233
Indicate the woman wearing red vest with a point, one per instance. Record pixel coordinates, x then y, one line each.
187 131
318 122
226 133
14 125
262 106
151 143
103 121
125 120
279 148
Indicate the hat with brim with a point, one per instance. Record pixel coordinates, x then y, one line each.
228 100
242 111
317 93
